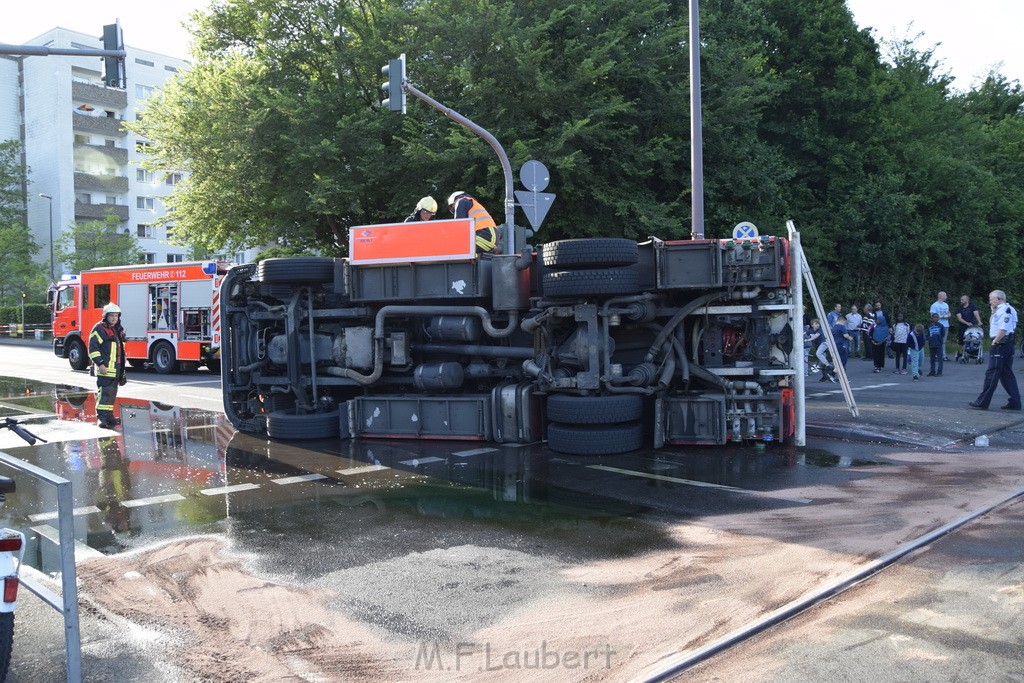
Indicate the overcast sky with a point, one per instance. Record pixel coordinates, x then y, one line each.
973 36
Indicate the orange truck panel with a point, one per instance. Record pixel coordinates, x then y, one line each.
409 242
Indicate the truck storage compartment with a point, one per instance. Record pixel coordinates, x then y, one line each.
706 264
695 419
517 415
458 280
467 416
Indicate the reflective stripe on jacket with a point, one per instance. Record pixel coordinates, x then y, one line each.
106 347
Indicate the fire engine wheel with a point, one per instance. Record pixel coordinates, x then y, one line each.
587 410
595 440
213 366
287 425
591 282
595 252
305 269
136 363
77 356
164 360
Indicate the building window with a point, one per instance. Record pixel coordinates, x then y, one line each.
144 230
144 62
143 176
110 114
109 143
142 147
169 231
240 257
175 258
143 91
168 67
111 199
172 179
145 203
81 139
83 198
149 257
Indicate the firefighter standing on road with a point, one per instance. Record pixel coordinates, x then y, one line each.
463 205
106 350
424 211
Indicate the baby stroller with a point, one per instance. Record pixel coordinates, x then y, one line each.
972 349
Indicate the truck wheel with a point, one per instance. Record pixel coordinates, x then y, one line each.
287 425
213 366
588 410
136 363
77 356
595 252
164 360
595 440
306 269
590 282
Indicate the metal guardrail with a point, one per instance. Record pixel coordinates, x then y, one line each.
66 604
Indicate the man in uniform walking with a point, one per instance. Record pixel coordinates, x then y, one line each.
1000 358
106 349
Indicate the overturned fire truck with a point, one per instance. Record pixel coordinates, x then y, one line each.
597 346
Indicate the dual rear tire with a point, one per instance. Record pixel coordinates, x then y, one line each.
595 425
590 268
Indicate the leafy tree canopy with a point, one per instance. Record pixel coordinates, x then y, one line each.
95 244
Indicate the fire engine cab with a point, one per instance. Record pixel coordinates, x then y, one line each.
171 313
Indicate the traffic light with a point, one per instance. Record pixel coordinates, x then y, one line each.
394 95
113 67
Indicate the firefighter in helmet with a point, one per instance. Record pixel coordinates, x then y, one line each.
424 211
106 350
463 205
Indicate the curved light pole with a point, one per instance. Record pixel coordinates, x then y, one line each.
50 199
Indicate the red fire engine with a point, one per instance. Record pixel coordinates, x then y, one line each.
171 313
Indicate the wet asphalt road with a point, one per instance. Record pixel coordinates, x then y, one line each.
176 469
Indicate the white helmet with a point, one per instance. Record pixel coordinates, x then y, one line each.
427 204
455 195
111 308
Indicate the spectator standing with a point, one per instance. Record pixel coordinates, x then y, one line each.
1001 326
936 335
867 326
941 308
853 323
900 333
915 347
821 351
966 316
879 336
811 334
833 316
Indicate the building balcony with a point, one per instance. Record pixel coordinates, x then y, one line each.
117 155
108 98
97 124
105 183
100 211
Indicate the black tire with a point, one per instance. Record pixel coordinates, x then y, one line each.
287 425
595 440
164 360
77 355
591 282
6 642
213 366
306 269
595 252
136 363
588 410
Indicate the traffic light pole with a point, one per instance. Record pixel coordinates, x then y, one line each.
506 167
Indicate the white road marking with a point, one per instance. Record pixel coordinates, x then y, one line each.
364 469
475 451
204 381
421 461
204 398
153 500
300 477
819 394
222 490
82 551
701 484
46 516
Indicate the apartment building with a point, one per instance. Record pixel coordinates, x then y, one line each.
83 163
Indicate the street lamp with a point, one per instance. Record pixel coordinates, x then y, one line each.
48 197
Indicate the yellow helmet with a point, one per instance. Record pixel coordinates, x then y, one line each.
111 308
427 204
455 195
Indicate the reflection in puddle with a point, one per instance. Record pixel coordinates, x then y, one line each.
170 471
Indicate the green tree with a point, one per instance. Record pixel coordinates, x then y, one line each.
94 244
13 174
18 271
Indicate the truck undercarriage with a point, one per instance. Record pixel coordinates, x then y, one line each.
597 345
